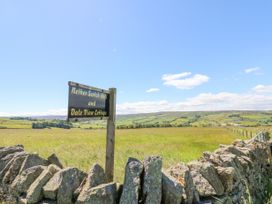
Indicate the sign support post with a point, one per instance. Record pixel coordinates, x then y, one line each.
110 143
91 102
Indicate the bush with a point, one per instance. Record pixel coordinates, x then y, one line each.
58 124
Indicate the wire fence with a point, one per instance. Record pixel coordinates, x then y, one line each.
249 132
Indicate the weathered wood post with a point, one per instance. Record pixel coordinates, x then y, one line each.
91 102
110 143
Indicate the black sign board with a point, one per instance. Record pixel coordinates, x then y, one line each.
87 102
90 102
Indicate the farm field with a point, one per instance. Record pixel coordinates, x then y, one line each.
254 119
188 119
82 147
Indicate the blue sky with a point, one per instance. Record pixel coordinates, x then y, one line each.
160 55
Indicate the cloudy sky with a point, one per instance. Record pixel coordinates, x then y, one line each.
161 55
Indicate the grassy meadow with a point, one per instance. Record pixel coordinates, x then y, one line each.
187 119
176 136
83 147
6 123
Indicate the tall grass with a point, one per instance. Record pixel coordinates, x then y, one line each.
82 148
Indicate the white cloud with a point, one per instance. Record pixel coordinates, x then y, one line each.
258 98
263 88
3 114
181 82
143 107
229 101
52 112
152 90
205 99
204 102
255 70
170 77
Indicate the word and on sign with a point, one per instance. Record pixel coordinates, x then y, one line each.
87 102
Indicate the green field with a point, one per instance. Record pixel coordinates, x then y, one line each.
6 123
82 147
184 137
191 119
161 119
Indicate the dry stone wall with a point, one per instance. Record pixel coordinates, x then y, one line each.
237 173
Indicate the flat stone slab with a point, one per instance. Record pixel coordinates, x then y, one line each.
132 184
152 183
23 181
63 184
102 194
34 193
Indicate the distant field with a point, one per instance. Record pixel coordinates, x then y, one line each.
161 119
14 124
188 119
82 148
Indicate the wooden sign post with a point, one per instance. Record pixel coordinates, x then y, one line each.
109 166
90 102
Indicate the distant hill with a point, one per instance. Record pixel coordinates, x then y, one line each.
187 119
50 117
161 119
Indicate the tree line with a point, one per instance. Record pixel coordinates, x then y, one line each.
55 124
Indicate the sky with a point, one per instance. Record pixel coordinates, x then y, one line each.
183 55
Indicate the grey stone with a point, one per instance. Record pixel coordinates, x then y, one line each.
183 176
33 160
203 187
53 159
102 194
24 201
119 189
132 183
230 160
95 177
48 202
208 171
13 170
226 175
50 190
4 162
34 193
63 184
79 189
6 198
7 161
239 143
262 137
23 181
212 158
172 190
152 183
235 150
10 150
222 200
